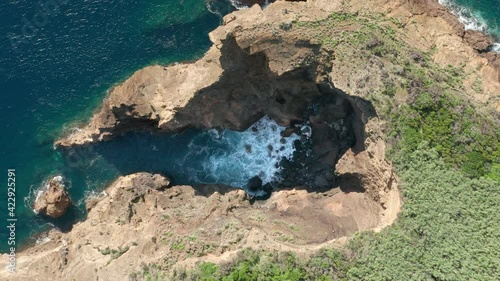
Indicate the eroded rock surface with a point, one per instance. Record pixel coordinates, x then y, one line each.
54 199
141 223
259 64
478 40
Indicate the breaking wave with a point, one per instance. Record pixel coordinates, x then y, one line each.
472 20
223 157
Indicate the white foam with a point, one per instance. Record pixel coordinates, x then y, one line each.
42 240
238 5
496 48
242 155
91 194
471 20
208 4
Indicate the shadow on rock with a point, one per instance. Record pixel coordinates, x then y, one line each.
351 182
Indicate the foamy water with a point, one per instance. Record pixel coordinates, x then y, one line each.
242 155
496 47
192 157
472 20
237 5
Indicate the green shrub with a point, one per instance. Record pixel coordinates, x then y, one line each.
464 139
448 228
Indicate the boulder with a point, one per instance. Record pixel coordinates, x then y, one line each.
154 181
254 184
477 40
53 200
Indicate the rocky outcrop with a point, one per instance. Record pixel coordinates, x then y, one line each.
477 40
260 63
53 200
139 223
369 172
432 8
239 80
257 67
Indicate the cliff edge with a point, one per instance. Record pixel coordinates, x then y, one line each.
267 62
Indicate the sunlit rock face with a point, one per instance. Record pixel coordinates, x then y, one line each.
236 94
53 200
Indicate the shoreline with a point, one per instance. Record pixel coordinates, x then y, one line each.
472 22
175 191
33 237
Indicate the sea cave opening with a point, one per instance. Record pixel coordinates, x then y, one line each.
256 127
261 158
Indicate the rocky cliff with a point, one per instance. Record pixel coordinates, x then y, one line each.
53 200
270 62
261 63
139 224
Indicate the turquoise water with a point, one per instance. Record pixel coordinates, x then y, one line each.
55 69
483 15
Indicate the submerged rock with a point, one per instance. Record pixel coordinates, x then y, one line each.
254 184
54 200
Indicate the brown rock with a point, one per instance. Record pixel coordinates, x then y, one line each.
154 181
477 40
135 224
54 200
432 8
494 60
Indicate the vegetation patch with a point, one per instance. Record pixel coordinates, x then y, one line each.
255 265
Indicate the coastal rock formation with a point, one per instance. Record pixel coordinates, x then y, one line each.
54 200
477 40
277 62
368 171
139 223
257 67
239 80
263 62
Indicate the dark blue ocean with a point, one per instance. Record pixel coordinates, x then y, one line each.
58 58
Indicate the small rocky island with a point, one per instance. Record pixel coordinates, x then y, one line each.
53 200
